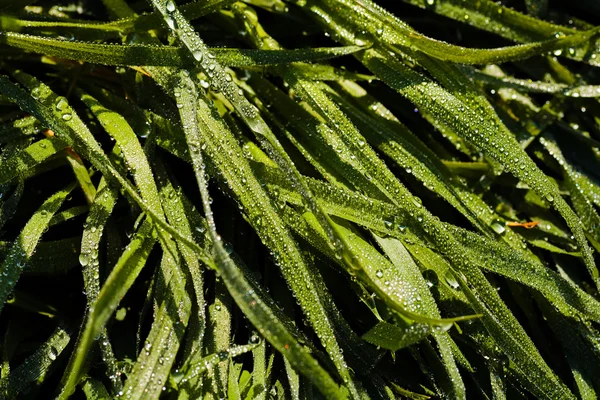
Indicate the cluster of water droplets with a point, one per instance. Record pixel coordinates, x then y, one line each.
62 107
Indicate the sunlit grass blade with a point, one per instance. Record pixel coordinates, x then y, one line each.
177 210
19 128
250 115
352 199
30 157
101 30
263 218
159 351
428 95
166 333
131 262
155 55
507 22
94 390
566 297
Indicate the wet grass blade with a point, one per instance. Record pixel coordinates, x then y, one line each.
35 366
155 55
23 248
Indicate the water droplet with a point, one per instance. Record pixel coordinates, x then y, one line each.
430 2
417 202
53 354
197 55
549 198
61 103
379 273
170 6
254 339
451 280
67 116
498 227
84 259
362 38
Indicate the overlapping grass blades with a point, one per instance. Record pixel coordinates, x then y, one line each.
319 173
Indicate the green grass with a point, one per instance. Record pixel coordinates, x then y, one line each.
299 199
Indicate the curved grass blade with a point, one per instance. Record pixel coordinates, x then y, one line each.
155 360
569 299
19 128
221 80
118 282
94 390
102 30
526 85
35 367
54 257
219 338
158 354
398 33
402 260
68 214
65 123
499 144
99 212
321 72
29 157
464 55
509 23
210 361
212 135
133 260
155 55
395 286
249 114
178 211
27 241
